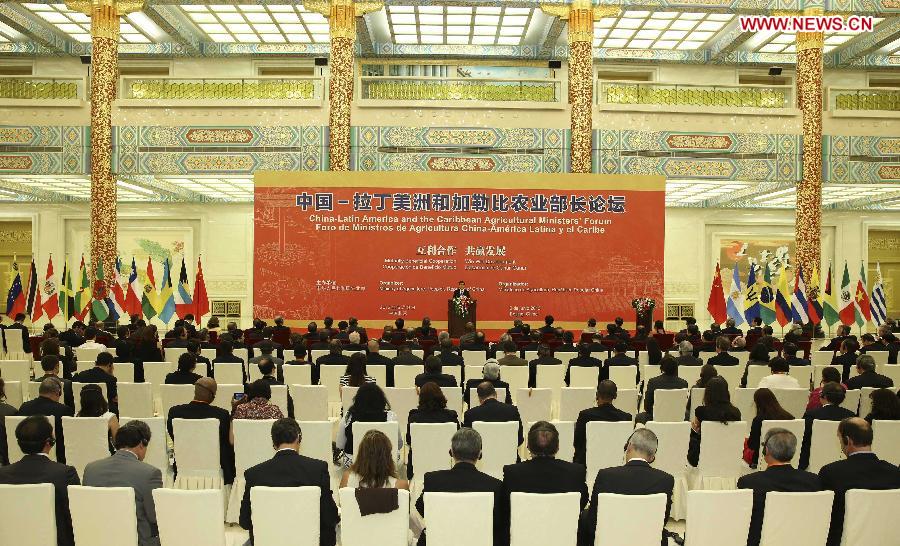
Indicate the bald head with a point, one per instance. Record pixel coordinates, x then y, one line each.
372 345
205 389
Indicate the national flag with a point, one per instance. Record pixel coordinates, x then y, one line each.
166 298
751 296
798 301
83 295
782 300
117 293
133 292
66 293
831 310
148 297
848 310
201 301
100 293
51 294
716 304
735 302
15 299
183 301
863 313
33 299
879 301
815 309
766 296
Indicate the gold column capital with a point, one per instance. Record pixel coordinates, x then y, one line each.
105 14
342 14
581 15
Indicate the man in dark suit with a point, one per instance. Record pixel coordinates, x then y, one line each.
548 327
353 342
868 377
605 411
461 291
475 343
47 403
756 327
832 396
584 359
862 469
465 449
732 330
404 358
51 366
668 379
433 374
491 410
722 357
568 344
842 333
686 355
869 343
387 334
35 438
447 354
193 348
180 341
778 448
266 343
544 358
287 468
19 324
374 356
334 357
426 331
619 358
510 354
201 408
74 336
490 373
102 372
790 350
321 342
544 473
847 358
516 328
636 477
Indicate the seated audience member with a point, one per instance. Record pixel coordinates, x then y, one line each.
885 406
468 336
868 377
288 468
716 406
94 405
619 358
714 331
102 372
832 396
355 375
636 477
374 356
47 403
353 338
405 357
668 379
184 375
193 348
722 357
511 355
604 411
846 358
544 473
759 356
201 408
50 364
266 348
730 329
447 353
686 355
584 359
257 404
433 374
226 356
707 372
126 469
568 344
179 337
35 438
659 328
544 358
475 343
548 327
654 354
778 448
490 373
830 374
739 345
90 340
841 333
790 350
374 466
780 378
490 410
862 469
432 409
767 409
370 405
794 334
871 343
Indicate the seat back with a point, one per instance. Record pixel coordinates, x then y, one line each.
627 400
310 402
691 374
82 365
852 400
551 377
880 357
315 354
454 400
225 394
175 395
743 400
475 372
87 440
586 376
721 449
13 341
330 376
316 442
207 513
231 373
796 519
530 355
566 431
824 446
92 526
892 371
636 520
280 398
797 426
197 447
604 445
649 371
157 449
402 400
474 358
886 443
499 445
865 401
431 445
868 516
534 404
252 443
123 371
273 506
135 399
803 375
297 374
90 355
756 372
14 394
243 354
697 400
516 377
673 440
731 374
155 374
76 393
820 359
623 376
405 376
390 429
31 507
669 405
718 518
210 354
743 357
379 372
792 400
531 512
389 529
172 354
16 370
573 400
445 511
347 395
388 353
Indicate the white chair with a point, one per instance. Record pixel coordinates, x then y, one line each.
852 400
172 354
210 354
692 373
627 400
231 373
123 371
454 400
310 402
135 399
635 520
15 348
573 400
14 394
280 398
792 400
886 443
244 354
252 441
76 393
821 359
880 357
696 400
742 398
379 372
755 373
405 376
474 358
175 395
531 512
649 371
865 402
388 353
28 517
330 376
89 355
431 446
391 429
87 440
501 396
720 463
534 404
530 355
551 377
207 527
444 511
892 371
718 518
197 454
14 453
516 377
869 517
566 431
643 358
499 445
347 395
402 400
157 449
225 394
584 376
797 426
803 375
316 442
31 392
92 526
672 446
155 373
731 374
316 353
669 405
272 506
623 376
419 353
383 529
743 357
475 372
796 519
604 446
18 371
824 446
297 374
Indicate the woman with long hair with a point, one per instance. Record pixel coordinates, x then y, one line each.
654 355
707 372
432 409
93 404
370 405
759 356
767 409
716 406
355 375
885 406
374 466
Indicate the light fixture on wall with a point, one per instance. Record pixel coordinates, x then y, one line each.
774 71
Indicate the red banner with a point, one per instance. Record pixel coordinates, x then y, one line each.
381 245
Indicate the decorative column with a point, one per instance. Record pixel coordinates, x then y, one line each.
808 227
581 15
341 16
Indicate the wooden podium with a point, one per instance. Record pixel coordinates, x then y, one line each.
456 323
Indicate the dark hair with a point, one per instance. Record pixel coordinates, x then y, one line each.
187 362
831 374
299 351
32 434
104 359
193 347
433 364
2 389
266 347
789 349
343 325
707 372
285 431
568 337
431 398
543 439
369 404
226 347
851 345
133 433
759 353
548 320
607 390
485 390
768 407
668 365
592 322
621 347
50 346
356 369
374 460
779 365
90 333
49 362
122 332
833 392
584 349
885 405
857 430
723 344
259 389
659 325
266 365
654 354
717 401
92 402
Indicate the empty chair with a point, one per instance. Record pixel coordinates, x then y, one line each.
87 440
718 518
886 443
316 442
31 508
720 463
14 394
635 520
534 404
669 405
76 393
225 395
210 354
92 526
405 376
797 426
445 511
792 400
197 453
15 348
347 395
330 376
623 376
174 395
455 400
869 517
90 355
566 431
732 374
474 358
231 373
273 506
803 375
821 359
852 400
252 439
796 519
627 401
379 372
155 374
824 447
516 377
585 376
310 402
82 365
402 400
280 398
124 371
500 444
391 429
673 440
604 445
297 374
531 512
692 373
431 443
573 400
135 399
16 371
880 357
383 529
207 527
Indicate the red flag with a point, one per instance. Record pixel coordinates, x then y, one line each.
201 301
51 304
33 300
15 299
716 304
150 271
